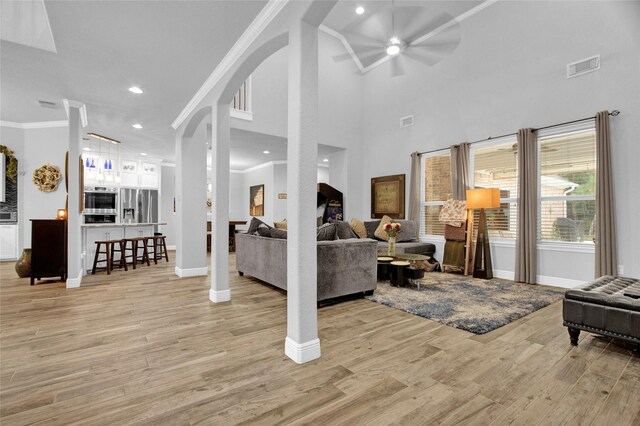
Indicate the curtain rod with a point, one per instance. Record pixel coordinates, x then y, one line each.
613 113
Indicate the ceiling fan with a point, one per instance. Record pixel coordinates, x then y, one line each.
398 32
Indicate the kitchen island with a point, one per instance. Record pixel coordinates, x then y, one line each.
92 232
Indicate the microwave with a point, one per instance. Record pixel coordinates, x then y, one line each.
8 217
100 200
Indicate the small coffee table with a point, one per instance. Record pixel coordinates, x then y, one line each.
398 268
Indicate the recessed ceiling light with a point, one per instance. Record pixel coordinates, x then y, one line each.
143 153
136 90
359 10
86 149
265 152
137 126
326 160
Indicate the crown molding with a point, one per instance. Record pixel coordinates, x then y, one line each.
266 15
81 107
35 124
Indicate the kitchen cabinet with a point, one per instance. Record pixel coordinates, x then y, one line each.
91 235
140 174
9 242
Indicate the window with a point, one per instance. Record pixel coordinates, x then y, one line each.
494 165
567 184
241 103
436 169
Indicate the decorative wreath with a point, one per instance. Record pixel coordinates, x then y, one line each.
46 177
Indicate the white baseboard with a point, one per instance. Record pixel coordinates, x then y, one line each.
192 272
75 282
302 352
218 296
171 248
558 282
505 275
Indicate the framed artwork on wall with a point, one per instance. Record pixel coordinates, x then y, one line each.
387 196
256 200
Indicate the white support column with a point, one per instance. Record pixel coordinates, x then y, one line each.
302 343
191 206
77 115
221 136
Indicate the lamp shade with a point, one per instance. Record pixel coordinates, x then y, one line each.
483 198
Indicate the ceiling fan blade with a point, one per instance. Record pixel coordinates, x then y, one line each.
423 55
342 57
409 22
359 51
397 69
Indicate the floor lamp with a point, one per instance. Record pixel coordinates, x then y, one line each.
483 198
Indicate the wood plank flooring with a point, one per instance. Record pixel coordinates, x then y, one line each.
145 347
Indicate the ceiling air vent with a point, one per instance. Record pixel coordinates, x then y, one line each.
406 121
583 66
47 104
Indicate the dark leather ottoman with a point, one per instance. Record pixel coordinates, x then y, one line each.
609 306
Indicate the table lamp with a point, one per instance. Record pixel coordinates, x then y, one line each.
483 198
62 214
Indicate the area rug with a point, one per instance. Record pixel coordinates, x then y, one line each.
464 302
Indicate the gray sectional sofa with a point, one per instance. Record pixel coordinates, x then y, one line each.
406 242
344 266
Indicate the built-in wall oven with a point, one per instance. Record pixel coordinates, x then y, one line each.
100 204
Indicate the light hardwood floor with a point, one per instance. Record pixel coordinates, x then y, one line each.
145 347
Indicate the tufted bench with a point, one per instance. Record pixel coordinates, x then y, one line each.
609 306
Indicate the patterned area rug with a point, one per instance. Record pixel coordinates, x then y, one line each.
464 302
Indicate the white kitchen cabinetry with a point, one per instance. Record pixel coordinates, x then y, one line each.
138 231
98 234
8 242
140 174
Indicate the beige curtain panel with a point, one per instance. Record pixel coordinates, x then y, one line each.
414 187
460 171
606 248
526 239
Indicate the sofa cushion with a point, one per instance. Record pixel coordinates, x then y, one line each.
358 228
255 224
408 231
343 230
413 247
371 226
263 231
380 233
326 232
278 233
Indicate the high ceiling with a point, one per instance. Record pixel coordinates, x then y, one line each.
167 48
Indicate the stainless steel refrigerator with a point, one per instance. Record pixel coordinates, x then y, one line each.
138 205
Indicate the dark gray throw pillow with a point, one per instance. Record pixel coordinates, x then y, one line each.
278 233
254 225
343 230
263 231
408 231
326 232
371 227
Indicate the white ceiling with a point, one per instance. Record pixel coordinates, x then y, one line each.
167 48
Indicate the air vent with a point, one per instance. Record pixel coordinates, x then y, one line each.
50 105
406 121
583 66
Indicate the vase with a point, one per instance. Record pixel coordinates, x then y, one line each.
23 265
391 248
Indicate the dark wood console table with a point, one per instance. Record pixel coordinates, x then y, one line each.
48 249
232 234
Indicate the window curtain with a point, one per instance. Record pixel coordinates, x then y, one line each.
526 238
606 251
414 187
459 171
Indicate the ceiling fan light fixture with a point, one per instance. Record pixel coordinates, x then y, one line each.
359 10
394 46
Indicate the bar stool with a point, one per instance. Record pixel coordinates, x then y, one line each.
159 247
137 244
108 252
117 246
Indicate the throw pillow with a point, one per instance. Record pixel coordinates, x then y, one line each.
281 225
343 230
408 231
371 227
380 233
254 225
326 232
263 231
278 233
358 227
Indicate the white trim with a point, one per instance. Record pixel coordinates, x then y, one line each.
266 15
346 45
75 282
81 107
168 165
46 15
302 352
191 272
242 115
34 124
219 296
170 247
567 247
505 275
558 282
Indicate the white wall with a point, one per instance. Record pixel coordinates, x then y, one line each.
236 201
260 175
167 196
509 72
41 146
